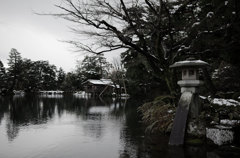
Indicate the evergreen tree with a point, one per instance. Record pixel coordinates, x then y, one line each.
3 79
38 75
60 78
94 67
48 75
72 82
31 76
15 69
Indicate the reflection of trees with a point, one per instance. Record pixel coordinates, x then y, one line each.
118 108
27 110
3 107
131 133
12 130
95 114
72 105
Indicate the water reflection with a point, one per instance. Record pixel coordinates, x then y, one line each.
74 120
51 95
30 110
70 126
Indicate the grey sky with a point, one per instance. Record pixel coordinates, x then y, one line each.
36 37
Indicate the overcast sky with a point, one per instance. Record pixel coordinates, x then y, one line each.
36 37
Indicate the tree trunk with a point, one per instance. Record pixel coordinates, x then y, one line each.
169 78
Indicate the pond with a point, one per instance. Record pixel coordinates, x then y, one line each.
68 126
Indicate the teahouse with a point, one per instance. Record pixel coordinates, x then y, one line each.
100 87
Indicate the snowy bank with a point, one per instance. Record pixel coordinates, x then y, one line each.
222 101
227 102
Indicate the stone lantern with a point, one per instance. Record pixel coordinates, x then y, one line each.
190 75
189 98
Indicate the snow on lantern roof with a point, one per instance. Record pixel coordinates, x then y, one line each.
189 63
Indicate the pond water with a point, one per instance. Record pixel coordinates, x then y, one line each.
73 127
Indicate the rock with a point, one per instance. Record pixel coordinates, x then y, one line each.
196 128
220 134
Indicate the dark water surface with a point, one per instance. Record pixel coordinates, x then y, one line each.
73 127
68 127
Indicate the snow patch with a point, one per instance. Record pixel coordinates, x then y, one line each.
202 97
195 24
229 122
81 94
191 61
175 8
215 74
226 2
183 47
198 10
219 136
210 14
100 82
223 127
227 102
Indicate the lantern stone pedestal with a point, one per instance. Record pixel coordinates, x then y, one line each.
189 100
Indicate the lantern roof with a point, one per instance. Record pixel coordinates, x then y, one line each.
190 62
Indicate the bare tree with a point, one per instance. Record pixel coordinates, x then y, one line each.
144 26
118 74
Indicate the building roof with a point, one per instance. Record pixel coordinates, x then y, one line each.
102 82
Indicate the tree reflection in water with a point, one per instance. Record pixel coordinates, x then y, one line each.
89 123
31 109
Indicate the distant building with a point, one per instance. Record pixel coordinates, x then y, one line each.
100 87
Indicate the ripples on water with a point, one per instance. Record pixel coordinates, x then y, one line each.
73 127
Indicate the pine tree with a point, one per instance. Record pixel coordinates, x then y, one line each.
15 69
3 79
60 78
94 67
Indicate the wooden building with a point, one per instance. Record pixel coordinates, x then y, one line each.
102 87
